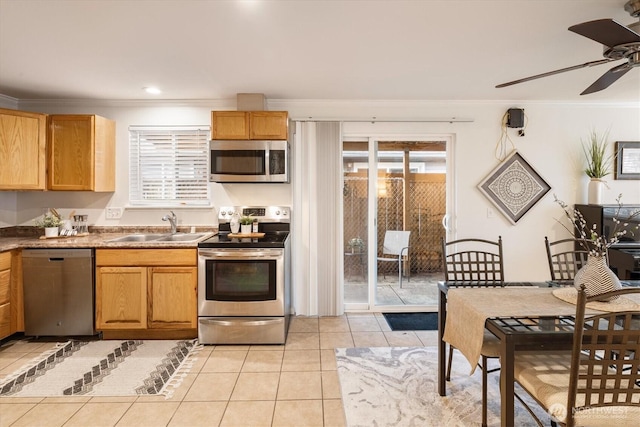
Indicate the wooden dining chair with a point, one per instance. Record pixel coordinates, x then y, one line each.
566 257
597 383
475 263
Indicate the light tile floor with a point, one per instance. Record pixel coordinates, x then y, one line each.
295 384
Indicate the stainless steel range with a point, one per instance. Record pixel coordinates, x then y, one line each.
244 282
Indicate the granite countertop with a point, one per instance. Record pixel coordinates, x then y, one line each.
98 237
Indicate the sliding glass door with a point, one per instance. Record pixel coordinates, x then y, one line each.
394 200
355 206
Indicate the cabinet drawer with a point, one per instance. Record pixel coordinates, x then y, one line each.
5 260
144 257
5 320
5 286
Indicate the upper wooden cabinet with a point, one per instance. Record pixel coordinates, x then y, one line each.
22 150
249 125
81 153
229 125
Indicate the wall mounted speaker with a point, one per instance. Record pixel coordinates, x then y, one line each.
515 118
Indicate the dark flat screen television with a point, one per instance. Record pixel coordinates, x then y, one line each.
603 218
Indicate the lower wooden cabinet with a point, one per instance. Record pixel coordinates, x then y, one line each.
151 291
5 294
121 298
11 300
172 297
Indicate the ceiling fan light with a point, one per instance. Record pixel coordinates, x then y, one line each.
633 7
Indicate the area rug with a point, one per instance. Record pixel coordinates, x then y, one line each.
104 368
412 321
397 386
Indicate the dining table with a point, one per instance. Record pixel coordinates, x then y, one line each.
522 315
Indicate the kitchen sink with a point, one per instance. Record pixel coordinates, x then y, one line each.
137 238
152 237
181 237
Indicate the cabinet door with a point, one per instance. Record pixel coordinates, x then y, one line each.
229 125
22 150
172 297
81 153
5 299
104 156
71 148
121 298
268 125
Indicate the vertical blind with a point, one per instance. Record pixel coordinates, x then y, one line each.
168 165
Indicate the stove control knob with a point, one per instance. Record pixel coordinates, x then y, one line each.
223 213
278 213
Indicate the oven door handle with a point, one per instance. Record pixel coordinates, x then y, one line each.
239 254
235 322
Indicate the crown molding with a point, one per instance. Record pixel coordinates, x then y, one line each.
8 102
214 104
293 104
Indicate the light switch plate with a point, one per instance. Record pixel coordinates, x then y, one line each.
113 213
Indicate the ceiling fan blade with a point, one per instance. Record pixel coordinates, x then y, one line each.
551 73
606 31
608 78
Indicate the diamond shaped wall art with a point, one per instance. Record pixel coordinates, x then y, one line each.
514 187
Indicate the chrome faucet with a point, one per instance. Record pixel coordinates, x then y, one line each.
173 220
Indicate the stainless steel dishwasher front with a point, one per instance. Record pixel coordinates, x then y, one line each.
58 292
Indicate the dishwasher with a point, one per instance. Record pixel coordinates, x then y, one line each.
58 292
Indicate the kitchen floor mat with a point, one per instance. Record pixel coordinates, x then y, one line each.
412 321
104 368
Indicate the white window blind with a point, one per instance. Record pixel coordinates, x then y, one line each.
168 165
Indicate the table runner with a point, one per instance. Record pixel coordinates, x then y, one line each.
469 308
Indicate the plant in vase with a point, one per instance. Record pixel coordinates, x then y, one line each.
50 223
596 274
598 165
245 224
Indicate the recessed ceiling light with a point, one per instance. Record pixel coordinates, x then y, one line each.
152 90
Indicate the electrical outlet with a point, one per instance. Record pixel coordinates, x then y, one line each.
113 213
490 213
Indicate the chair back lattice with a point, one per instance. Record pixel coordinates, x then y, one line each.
565 258
605 366
473 260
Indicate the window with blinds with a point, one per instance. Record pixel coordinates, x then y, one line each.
168 165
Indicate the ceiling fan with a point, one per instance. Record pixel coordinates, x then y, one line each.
619 42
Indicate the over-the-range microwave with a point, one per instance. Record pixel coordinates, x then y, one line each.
249 161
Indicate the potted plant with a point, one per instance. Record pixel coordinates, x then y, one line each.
598 165
245 224
50 223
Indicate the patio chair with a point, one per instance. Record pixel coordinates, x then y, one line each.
475 263
565 258
597 383
396 243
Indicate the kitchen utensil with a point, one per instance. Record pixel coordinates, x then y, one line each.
81 223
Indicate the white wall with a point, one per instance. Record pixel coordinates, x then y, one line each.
31 205
552 145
